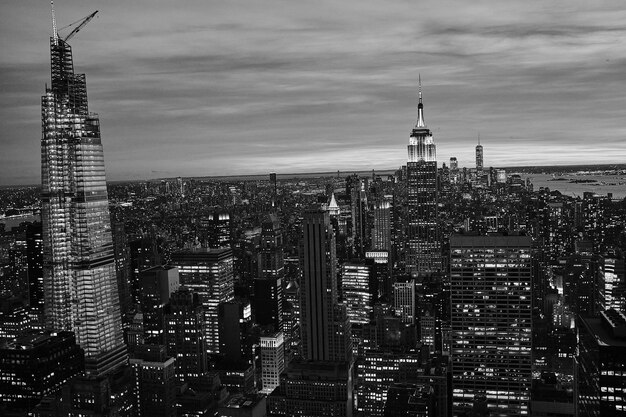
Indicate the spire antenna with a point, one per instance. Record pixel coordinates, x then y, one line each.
479 138
55 34
419 83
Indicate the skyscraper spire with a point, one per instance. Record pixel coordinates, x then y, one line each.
420 106
419 81
55 34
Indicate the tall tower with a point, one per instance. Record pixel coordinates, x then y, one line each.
80 283
491 322
479 160
423 249
268 287
209 272
325 324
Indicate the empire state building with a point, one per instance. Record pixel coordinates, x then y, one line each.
423 243
80 285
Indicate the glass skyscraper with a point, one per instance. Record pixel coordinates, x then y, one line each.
80 284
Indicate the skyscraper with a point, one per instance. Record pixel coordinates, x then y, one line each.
80 283
268 287
491 322
325 324
423 245
209 272
479 160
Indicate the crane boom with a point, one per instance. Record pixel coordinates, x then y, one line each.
80 26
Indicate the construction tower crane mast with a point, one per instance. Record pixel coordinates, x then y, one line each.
81 25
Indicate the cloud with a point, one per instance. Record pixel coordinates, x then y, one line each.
214 88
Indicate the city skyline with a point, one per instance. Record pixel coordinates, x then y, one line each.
180 92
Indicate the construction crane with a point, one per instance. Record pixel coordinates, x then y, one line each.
81 24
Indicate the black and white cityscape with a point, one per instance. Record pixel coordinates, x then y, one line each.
354 283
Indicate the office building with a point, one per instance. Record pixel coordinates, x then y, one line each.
356 287
423 241
34 254
272 360
491 322
78 259
268 286
184 334
381 231
324 323
404 300
235 322
209 272
155 382
36 365
157 283
601 365
313 389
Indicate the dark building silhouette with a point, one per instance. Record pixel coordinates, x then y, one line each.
34 253
36 365
184 334
325 325
154 375
268 286
601 363
157 283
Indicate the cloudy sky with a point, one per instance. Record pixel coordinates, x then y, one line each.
198 87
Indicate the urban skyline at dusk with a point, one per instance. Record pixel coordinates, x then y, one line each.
237 88
199 275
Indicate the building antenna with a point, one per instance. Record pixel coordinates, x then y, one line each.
55 34
479 138
419 83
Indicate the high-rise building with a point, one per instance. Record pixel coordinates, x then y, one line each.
36 365
34 254
184 334
601 365
360 218
314 389
157 283
272 360
121 251
454 170
209 272
325 325
356 287
612 282
423 242
381 232
235 322
491 322
479 160
80 284
404 300
268 286
155 382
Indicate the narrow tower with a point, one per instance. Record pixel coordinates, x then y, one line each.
479 160
80 284
423 246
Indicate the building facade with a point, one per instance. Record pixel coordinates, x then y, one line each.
79 276
423 240
209 272
491 322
